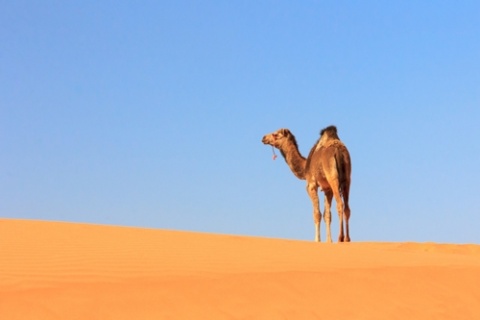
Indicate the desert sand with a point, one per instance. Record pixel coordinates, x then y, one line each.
54 270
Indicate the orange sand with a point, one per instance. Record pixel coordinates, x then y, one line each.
51 270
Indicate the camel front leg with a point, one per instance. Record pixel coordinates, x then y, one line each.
327 215
312 190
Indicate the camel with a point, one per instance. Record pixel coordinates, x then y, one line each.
327 167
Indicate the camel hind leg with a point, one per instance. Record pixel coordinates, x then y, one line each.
338 199
341 187
346 212
343 210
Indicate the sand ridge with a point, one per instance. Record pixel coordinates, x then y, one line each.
55 270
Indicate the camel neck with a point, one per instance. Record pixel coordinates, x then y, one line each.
294 159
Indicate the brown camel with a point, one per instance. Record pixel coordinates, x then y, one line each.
328 166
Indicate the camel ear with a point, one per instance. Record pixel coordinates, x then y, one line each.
285 132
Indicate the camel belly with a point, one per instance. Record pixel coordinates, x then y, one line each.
323 184
319 181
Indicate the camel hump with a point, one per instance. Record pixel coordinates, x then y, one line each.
330 132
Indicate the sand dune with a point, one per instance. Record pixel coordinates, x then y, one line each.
51 270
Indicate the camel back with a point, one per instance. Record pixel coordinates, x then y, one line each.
329 139
330 132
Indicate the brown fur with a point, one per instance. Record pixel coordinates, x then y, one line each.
327 167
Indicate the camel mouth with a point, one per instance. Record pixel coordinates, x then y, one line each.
265 140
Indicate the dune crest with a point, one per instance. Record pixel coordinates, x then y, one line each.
53 270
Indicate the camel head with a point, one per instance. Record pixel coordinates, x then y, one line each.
277 138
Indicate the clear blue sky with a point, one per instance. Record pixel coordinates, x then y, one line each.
150 113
